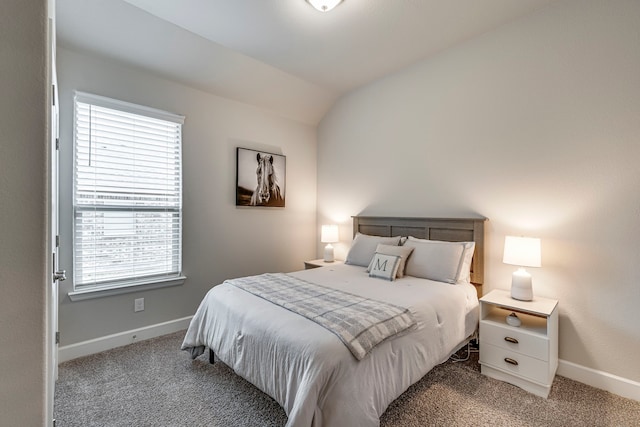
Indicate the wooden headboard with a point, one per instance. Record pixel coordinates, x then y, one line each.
447 229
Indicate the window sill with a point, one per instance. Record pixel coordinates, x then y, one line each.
99 292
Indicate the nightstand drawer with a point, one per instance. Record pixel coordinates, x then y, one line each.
515 363
512 339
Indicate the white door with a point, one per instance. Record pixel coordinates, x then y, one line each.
57 275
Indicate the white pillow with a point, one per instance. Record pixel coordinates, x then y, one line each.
438 260
384 266
467 258
402 251
364 246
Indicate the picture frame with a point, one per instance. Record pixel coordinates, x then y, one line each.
260 178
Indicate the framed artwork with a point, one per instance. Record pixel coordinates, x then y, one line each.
260 178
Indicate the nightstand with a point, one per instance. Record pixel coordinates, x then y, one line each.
525 355
319 263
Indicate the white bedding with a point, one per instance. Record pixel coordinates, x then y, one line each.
308 370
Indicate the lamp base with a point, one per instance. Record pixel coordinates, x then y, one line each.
521 288
328 253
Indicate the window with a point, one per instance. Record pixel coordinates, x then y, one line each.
127 194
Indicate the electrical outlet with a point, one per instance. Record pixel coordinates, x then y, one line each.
138 304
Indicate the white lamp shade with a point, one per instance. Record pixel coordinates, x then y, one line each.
329 234
522 251
324 5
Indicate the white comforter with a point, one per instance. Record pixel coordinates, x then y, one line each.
308 370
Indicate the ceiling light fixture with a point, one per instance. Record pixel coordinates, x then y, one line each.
324 5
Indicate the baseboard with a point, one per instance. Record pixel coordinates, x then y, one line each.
599 379
97 345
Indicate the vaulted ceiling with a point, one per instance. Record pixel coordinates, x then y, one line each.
281 55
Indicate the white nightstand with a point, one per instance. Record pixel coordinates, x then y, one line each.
527 355
319 263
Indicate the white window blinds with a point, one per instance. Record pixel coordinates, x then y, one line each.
127 193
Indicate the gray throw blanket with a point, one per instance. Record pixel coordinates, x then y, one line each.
360 323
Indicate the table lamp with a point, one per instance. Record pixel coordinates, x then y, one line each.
329 235
523 252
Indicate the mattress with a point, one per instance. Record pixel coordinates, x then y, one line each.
308 370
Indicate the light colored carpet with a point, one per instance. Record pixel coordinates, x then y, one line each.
153 383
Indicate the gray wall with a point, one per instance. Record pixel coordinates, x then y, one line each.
220 240
24 260
535 126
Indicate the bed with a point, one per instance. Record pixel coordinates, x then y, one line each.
312 372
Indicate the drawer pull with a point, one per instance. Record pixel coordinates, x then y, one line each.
511 340
511 361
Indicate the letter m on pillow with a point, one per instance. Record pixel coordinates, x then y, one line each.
384 266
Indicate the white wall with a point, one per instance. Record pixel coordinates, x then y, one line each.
535 126
23 213
220 240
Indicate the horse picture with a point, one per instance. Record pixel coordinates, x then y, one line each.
260 178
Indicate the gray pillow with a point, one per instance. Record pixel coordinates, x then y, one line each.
436 260
464 275
364 247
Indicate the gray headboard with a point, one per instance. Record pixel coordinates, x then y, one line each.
447 229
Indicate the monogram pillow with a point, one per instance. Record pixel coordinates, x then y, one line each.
402 251
384 266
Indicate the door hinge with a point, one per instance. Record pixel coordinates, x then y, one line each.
53 95
54 422
57 241
57 337
57 143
